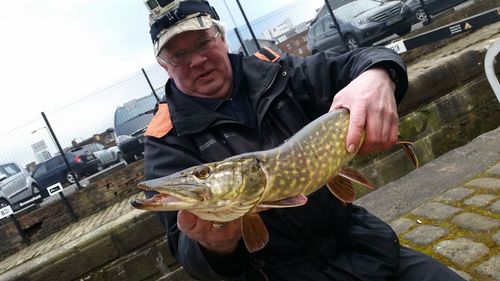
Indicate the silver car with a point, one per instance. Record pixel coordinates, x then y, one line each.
106 156
362 23
17 187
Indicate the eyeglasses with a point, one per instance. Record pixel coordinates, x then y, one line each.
184 57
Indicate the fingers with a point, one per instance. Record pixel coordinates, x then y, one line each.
208 233
370 100
357 122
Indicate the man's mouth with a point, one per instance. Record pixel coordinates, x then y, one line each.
205 75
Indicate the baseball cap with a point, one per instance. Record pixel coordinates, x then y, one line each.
187 15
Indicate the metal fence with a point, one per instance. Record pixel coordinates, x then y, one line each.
91 119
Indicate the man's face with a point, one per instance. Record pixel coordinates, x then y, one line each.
198 63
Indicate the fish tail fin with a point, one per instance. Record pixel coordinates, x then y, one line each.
408 149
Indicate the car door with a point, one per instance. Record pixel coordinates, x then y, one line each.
55 170
18 189
41 176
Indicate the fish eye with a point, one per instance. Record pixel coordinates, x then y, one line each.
202 173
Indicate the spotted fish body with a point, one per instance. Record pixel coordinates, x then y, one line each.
243 185
307 160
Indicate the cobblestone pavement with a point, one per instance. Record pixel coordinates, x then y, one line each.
460 227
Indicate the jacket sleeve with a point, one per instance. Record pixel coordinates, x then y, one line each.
307 74
162 158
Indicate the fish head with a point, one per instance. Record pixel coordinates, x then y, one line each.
213 185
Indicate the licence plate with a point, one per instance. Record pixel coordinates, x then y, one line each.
393 20
90 157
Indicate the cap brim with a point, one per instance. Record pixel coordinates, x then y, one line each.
190 23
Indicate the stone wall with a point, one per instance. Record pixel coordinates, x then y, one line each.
103 191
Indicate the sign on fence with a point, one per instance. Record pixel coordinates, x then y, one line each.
55 188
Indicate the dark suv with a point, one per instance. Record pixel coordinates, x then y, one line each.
55 170
362 22
131 121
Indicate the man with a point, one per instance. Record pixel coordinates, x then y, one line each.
219 104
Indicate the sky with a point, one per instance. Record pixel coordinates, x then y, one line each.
58 53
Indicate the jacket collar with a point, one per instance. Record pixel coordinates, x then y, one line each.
189 116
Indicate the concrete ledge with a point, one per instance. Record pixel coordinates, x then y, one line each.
450 170
91 250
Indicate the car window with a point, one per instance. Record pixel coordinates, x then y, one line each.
134 108
40 170
134 115
9 169
353 9
54 162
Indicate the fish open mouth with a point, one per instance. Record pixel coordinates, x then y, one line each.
161 202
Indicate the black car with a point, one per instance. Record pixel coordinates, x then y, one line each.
434 7
362 23
131 121
55 170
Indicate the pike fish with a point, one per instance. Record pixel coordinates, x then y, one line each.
243 185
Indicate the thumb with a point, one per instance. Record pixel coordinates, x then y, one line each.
357 121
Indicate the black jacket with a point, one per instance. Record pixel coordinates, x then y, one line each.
319 241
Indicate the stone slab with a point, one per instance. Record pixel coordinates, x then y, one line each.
435 211
461 251
480 200
490 268
455 194
486 183
494 171
475 222
425 234
443 173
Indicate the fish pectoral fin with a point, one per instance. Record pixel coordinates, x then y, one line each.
294 201
408 149
356 177
254 231
341 188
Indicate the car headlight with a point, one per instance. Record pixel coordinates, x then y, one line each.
361 21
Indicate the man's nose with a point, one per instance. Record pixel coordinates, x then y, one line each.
197 58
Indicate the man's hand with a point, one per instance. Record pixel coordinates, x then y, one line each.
370 100
221 241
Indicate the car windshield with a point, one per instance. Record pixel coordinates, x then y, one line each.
353 9
134 115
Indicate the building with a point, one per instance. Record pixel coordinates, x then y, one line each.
296 43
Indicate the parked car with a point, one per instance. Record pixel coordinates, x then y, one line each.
106 156
131 121
16 186
362 22
55 170
434 7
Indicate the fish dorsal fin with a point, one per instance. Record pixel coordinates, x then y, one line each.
295 201
254 231
408 149
356 177
342 188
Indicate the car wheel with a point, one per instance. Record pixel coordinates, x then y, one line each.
35 190
420 14
100 167
404 31
352 42
70 178
3 203
129 159
119 158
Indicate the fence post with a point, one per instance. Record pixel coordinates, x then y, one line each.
248 25
336 23
150 85
245 51
61 151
